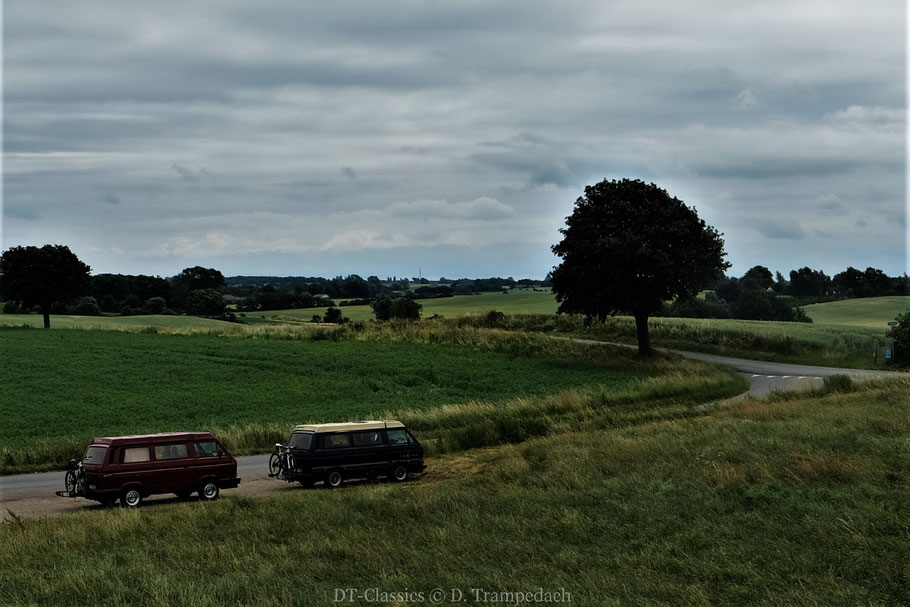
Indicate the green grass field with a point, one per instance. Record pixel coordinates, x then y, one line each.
871 312
60 388
64 321
802 501
519 301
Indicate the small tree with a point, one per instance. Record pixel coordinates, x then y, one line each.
43 276
333 315
205 302
900 337
405 308
629 247
382 307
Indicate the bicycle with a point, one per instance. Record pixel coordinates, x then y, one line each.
281 463
74 481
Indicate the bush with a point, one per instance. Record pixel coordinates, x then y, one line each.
333 315
386 308
155 305
405 308
205 302
87 306
900 337
127 311
12 307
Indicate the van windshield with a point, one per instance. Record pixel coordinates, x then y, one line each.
94 455
300 440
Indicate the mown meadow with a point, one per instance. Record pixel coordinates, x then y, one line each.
61 388
799 500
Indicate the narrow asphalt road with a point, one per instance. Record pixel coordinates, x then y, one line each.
765 377
32 495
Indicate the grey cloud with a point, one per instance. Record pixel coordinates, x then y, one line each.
110 198
860 223
438 102
779 229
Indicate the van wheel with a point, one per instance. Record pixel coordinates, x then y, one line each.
334 479
131 498
209 490
399 473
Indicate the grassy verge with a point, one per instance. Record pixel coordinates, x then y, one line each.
253 389
803 501
801 343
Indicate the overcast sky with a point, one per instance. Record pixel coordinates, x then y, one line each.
450 138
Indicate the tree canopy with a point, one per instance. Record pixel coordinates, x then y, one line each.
629 246
43 276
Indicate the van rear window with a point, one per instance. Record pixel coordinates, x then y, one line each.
94 455
170 451
398 437
206 449
300 440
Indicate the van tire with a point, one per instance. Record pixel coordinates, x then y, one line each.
399 473
334 479
209 490
131 497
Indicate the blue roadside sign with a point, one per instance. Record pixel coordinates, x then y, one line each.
892 323
887 353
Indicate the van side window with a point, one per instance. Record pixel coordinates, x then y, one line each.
170 451
335 441
397 437
367 439
206 449
135 454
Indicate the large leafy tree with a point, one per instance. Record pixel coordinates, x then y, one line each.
194 279
43 276
628 247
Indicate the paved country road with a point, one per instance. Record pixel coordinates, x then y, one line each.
30 495
765 377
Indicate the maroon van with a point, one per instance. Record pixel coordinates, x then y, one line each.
134 467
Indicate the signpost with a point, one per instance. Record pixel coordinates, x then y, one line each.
889 352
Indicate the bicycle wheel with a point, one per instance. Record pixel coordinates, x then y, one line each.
69 481
288 463
274 465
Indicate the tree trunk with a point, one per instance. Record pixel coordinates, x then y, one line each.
644 338
46 311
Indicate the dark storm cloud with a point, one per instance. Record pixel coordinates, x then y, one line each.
159 135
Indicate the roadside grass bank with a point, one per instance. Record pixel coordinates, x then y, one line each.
800 343
801 501
252 391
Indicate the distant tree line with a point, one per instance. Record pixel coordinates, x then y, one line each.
761 295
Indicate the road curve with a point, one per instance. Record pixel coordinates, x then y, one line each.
32 495
765 377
